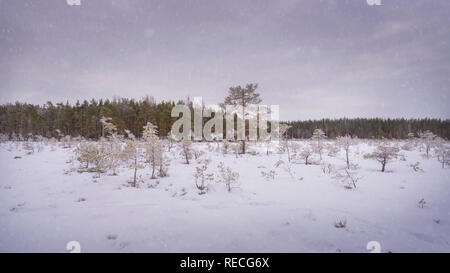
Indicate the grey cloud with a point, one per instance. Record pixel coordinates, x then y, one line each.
316 59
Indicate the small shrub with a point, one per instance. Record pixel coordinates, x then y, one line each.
421 203
340 224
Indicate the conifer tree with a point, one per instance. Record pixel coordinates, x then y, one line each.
243 96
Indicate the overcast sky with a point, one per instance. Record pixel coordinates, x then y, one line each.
315 58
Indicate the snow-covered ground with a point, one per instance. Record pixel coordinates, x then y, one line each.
45 203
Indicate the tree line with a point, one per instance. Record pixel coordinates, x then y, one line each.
378 128
83 119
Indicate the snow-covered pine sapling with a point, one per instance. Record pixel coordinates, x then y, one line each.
383 154
295 147
102 156
236 147
443 157
197 153
153 147
163 163
40 140
53 143
3 138
416 167
186 149
225 146
170 141
28 147
350 178
346 142
442 152
86 153
283 128
340 223
427 138
327 168
94 155
59 134
114 153
227 176
286 166
279 163
269 175
113 147
66 142
421 203
305 154
107 126
268 144
131 154
209 147
319 135
333 149
202 178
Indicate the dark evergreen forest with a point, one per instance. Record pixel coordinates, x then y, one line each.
83 119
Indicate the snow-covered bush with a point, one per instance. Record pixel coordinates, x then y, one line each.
227 176
327 168
210 147
442 152
410 143
163 163
319 135
154 148
100 156
86 153
416 167
333 148
66 142
28 147
53 143
114 153
186 149
383 154
295 147
269 175
286 166
225 146
421 203
304 154
107 126
340 223
131 154
349 177
345 143
170 141
236 147
284 143
427 138
3 138
202 177
197 153
111 144
40 141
